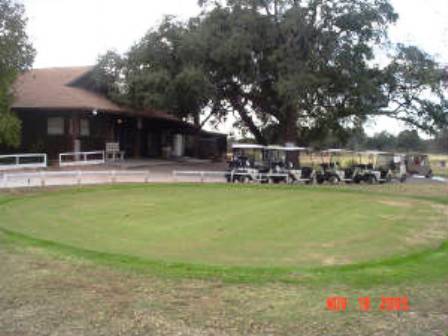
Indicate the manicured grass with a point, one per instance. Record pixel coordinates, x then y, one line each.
242 231
58 285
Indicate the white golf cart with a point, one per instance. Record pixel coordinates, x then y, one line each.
333 169
383 167
297 172
247 164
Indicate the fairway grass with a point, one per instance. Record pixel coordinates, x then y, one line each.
229 226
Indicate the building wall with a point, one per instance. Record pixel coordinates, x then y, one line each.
152 138
35 137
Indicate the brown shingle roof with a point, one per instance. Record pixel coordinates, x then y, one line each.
49 89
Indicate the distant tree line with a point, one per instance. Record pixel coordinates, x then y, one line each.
405 141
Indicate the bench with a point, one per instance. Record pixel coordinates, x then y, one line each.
113 152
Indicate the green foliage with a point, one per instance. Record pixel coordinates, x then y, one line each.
383 141
10 127
161 72
288 70
414 85
16 55
410 141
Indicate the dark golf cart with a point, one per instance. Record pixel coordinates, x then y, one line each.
247 164
418 164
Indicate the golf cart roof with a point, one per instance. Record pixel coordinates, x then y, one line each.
247 146
337 151
287 148
417 154
377 153
275 147
296 149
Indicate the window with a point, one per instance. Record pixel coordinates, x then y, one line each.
55 126
85 127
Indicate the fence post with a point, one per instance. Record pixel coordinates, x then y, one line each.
17 160
42 179
113 176
202 176
175 175
5 180
78 177
148 173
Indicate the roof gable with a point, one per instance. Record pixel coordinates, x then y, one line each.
61 89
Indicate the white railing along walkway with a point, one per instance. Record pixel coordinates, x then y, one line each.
62 178
81 158
21 161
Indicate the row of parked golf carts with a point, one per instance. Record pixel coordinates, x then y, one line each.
277 164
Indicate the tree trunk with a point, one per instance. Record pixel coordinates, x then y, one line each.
197 136
290 129
240 107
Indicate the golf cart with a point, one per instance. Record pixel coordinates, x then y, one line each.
284 165
396 163
247 163
418 164
381 167
276 161
296 171
332 171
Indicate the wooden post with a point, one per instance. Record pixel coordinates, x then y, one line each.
138 139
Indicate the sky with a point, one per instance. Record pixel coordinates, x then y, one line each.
76 32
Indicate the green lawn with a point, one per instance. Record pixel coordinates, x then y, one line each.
230 225
99 260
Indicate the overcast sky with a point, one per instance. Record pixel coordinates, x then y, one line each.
75 32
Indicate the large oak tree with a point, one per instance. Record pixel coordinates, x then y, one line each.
288 69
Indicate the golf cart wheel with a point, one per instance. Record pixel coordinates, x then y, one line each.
371 179
334 180
429 175
403 178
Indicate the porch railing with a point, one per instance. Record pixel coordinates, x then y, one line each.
81 158
20 161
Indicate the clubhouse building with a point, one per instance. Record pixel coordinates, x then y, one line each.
62 112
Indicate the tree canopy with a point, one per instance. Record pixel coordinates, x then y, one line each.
16 55
288 70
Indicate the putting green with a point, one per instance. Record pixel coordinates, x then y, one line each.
230 225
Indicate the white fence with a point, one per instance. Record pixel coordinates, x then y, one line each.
81 158
21 161
70 178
